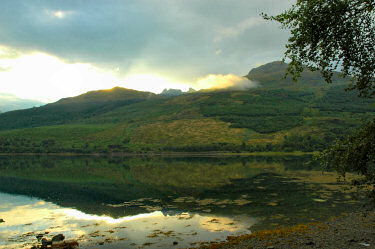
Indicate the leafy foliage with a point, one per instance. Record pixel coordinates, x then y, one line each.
330 35
354 154
337 35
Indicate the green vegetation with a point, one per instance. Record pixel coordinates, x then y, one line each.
329 35
70 110
268 118
332 35
356 153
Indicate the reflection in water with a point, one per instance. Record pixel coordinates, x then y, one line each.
82 216
154 202
24 222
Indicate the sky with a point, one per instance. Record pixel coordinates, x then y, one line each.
50 49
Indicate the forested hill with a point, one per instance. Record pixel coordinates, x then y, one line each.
280 115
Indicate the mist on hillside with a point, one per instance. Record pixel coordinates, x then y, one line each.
225 82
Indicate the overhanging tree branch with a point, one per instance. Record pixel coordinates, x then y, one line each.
332 35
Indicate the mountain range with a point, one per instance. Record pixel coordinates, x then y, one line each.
278 115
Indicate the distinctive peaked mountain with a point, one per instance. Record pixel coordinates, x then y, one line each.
273 75
175 92
279 115
171 92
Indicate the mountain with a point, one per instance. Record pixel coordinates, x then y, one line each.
272 75
278 116
175 92
171 92
9 102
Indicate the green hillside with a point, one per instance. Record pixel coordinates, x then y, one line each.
110 95
280 115
70 110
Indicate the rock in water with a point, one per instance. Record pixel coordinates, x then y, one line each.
58 238
46 242
1 220
39 237
65 244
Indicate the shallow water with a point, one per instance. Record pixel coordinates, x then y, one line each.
160 202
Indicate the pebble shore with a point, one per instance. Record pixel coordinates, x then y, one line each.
354 230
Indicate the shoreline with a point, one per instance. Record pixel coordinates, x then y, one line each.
351 230
168 154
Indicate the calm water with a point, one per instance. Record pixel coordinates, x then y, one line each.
155 202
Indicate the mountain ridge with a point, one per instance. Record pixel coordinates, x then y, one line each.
276 116
113 94
273 74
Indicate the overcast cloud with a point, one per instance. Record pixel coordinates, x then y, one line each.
180 39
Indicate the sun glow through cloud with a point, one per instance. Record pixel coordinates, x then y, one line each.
151 82
58 13
47 78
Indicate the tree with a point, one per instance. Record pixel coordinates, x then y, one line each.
330 35
337 35
354 154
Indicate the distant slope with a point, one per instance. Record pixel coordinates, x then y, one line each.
279 116
9 102
171 92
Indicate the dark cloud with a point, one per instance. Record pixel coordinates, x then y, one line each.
185 39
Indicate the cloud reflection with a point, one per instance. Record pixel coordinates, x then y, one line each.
72 213
26 217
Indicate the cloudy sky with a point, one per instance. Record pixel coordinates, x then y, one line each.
51 49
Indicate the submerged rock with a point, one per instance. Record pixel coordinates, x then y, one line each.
58 238
364 244
39 237
65 244
46 242
57 242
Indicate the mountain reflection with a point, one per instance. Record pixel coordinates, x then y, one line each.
215 195
25 221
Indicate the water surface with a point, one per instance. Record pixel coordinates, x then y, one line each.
160 202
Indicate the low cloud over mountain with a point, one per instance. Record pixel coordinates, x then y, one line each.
229 81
